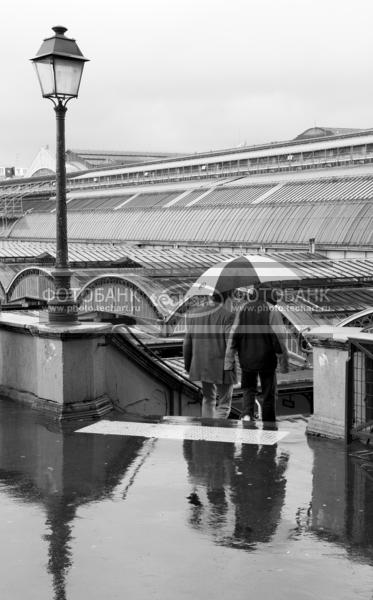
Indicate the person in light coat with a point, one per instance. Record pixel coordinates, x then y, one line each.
204 349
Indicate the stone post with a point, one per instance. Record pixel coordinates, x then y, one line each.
330 359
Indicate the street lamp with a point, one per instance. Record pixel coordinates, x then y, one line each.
59 67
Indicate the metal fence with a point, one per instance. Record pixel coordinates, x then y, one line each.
359 405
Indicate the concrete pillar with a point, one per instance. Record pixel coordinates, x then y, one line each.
58 369
329 388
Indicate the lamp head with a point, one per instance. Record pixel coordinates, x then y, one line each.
59 66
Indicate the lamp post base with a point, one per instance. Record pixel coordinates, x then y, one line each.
62 313
62 309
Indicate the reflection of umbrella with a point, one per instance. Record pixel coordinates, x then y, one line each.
242 271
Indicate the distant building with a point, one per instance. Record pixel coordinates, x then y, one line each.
312 192
101 158
314 149
319 132
12 172
44 163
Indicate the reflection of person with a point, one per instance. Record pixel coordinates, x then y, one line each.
210 466
237 495
258 336
258 492
204 349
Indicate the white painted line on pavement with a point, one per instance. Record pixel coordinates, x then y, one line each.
186 432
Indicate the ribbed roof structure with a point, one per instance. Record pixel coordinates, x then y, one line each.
179 262
335 211
333 223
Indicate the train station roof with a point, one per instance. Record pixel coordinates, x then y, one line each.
336 211
340 223
314 266
317 132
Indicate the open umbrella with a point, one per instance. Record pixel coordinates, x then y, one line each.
240 272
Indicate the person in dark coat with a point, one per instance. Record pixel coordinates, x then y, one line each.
258 337
204 348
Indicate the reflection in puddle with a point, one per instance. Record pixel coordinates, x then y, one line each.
59 471
110 515
240 492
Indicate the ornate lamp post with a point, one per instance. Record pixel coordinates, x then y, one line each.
59 67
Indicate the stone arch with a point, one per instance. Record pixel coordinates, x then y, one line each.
118 293
31 282
2 293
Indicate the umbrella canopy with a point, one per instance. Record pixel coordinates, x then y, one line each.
240 272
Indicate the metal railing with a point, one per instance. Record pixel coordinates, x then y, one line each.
213 171
188 173
359 401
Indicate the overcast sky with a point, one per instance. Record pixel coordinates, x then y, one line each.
188 75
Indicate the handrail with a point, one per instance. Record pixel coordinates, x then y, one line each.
359 345
156 357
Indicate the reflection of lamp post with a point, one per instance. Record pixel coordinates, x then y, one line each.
59 66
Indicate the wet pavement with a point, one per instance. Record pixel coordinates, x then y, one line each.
92 515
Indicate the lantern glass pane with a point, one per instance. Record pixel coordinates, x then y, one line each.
68 74
44 70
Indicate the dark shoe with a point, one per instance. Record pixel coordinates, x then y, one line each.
270 427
